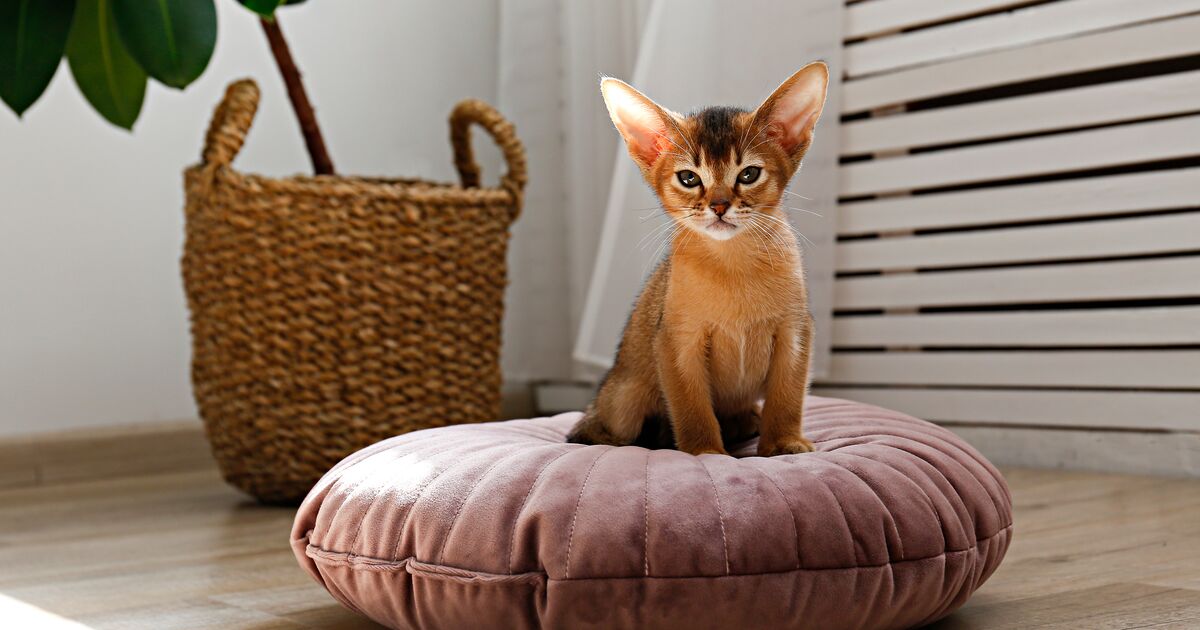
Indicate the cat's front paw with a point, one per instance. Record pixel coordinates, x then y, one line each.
789 446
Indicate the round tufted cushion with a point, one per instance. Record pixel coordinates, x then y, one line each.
891 523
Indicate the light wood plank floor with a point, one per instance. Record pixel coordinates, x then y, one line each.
184 551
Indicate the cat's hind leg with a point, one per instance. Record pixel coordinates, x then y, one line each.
617 414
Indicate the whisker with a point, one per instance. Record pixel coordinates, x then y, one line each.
790 227
759 144
760 130
798 233
654 234
662 208
778 239
767 241
682 152
661 215
788 192
796 208
681 134
658 251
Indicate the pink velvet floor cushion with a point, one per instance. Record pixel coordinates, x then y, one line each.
892 523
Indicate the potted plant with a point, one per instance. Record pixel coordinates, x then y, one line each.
115 47
328 312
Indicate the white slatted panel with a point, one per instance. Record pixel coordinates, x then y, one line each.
1152 326
1148 410
1078 150
882 16
1152 369
1030 253
1136 44
1061 109
1125 280
1038 23
1078 198
1094 239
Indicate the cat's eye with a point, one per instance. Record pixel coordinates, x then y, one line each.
749 175
689 179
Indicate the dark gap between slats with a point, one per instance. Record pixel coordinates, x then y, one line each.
1098 76
1122 303
1045 133
1047 262
1026 223
1066 305
999 349
960 18
1139 167
961 386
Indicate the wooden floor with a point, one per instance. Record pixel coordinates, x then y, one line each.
184 551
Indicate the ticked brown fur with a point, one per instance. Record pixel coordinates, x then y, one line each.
722 325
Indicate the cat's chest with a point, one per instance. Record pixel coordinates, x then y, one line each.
716 301
739 358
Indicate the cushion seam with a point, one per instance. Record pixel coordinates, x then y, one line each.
512 540
720 512
578 502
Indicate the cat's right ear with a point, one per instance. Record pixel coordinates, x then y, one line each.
641 121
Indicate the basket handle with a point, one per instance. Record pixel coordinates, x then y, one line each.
230 122
473 111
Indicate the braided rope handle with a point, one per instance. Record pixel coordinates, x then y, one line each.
233 116
230 123
473 111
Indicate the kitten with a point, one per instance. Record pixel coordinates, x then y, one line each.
723 321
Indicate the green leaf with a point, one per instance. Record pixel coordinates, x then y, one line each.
172 40
265 8
104 71
33 34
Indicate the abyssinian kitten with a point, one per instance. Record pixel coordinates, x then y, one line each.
717 347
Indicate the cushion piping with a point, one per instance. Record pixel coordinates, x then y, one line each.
413 566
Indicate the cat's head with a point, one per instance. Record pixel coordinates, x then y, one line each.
717 167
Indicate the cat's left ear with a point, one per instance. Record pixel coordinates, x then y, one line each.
792 110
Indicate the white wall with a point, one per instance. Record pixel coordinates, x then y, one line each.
93 327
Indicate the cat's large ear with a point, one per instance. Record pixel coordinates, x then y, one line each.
641 121
792 110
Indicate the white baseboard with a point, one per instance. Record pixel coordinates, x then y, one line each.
1136 452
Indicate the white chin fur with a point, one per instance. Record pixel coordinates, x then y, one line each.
720 232
708 226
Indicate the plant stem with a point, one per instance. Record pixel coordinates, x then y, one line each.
321 163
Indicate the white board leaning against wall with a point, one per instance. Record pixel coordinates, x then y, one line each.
699 53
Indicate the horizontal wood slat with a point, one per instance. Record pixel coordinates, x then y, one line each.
1110 146
1135 279
1171 411
1106 103
1134 44
1038 23
1089 327
1072 198
881 16
1095 239
1094 368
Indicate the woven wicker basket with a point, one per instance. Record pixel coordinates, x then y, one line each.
331 312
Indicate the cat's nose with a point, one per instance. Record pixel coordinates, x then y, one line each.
719 206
